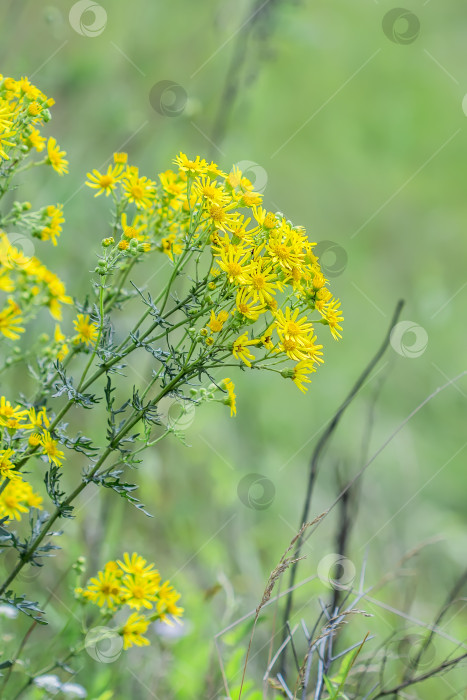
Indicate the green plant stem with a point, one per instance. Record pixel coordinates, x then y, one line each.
99 336
129 424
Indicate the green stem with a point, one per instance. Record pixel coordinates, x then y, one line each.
99 336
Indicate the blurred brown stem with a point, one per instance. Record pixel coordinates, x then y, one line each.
315 460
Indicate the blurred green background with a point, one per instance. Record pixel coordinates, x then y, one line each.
360 136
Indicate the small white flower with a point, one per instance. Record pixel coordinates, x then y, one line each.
8 611
52 684
73 689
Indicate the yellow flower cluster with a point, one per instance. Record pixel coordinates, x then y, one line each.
134 583
24 108
264 280
17 495
32 285
28 284
17 498
50 223
31 424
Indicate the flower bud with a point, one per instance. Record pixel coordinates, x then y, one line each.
287 373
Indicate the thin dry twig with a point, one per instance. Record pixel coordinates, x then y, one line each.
315 460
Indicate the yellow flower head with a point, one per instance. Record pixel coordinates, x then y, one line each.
194 167
133 631
56 157
241 351
105 182
50 448
7 468
104 589
139 190
140 590
10 319
230 400
86 330
217 322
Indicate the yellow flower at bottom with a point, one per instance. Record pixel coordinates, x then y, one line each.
133 630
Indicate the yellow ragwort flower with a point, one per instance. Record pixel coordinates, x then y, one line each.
86 330
56 157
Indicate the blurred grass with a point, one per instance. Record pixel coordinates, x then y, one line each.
359 151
